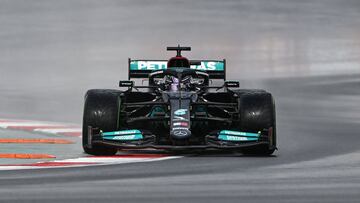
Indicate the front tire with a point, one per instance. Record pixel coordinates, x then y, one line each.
101 110
257 112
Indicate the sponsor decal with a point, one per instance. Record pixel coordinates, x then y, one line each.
148 65
122 132
179 128
180 112
238 133
179 118
162 65
123 135
235 138
178 115
211 65
229 135
182 124
128 137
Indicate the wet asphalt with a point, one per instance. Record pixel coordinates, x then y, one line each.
307 53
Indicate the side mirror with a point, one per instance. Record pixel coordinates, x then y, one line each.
232 84
126 83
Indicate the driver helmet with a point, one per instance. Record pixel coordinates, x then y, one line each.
178 61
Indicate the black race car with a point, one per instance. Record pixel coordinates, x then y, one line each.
178 109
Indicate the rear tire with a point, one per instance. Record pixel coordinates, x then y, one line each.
101 110
257 112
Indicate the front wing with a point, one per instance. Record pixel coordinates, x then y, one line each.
212 141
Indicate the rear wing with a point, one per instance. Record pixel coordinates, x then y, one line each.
142 68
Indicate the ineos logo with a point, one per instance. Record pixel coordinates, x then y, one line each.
180 133
180 112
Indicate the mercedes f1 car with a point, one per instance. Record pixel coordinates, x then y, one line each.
179 109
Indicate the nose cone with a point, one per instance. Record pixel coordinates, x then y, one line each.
180 134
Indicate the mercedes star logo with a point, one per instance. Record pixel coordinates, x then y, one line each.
180 133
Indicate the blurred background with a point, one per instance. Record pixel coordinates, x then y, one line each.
52 51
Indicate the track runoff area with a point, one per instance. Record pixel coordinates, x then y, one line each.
28 144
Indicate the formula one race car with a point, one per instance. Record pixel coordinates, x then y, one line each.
179 110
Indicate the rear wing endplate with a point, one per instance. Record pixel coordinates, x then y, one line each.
142 68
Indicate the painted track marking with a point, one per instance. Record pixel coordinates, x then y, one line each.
44 141
42 127
57 130
87 161
26 156
74 131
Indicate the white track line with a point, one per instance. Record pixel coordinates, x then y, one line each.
57 130
53 127
113 160
85 161
26 124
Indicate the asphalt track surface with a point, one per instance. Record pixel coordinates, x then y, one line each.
307 53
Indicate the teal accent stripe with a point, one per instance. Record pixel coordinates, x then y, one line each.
118 113
239 133
124 137
121 132
229 135
236 138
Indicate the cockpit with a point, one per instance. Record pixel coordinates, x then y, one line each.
179 79
179 76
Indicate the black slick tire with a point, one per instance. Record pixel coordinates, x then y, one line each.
101 110
257 112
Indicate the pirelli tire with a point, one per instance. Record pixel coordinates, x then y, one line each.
101 110
257 112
